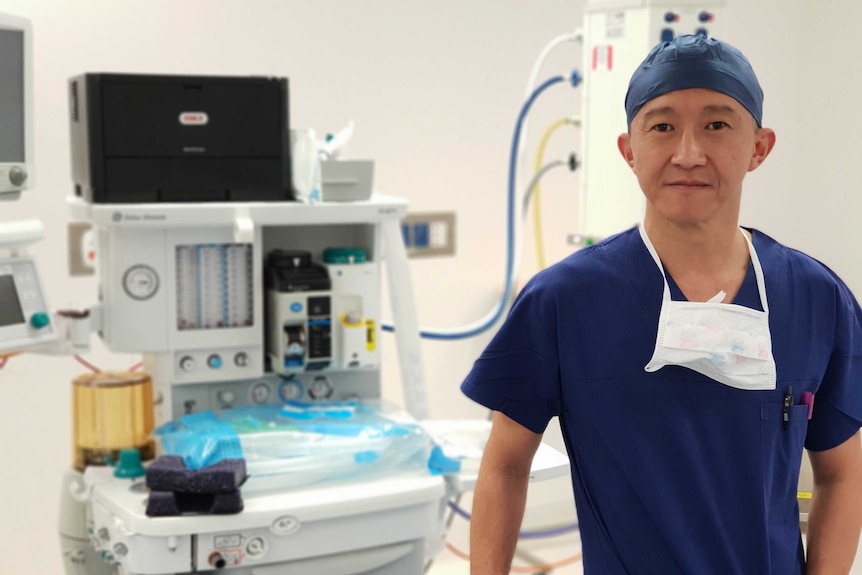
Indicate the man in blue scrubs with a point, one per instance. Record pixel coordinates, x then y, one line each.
689 361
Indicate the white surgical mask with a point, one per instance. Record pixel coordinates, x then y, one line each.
729 343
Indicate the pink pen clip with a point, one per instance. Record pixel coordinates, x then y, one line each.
808 399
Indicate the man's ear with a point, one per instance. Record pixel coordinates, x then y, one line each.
763 144
624 143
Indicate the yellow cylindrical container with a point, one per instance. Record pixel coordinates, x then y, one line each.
111 411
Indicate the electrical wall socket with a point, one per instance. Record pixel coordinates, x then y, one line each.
429 234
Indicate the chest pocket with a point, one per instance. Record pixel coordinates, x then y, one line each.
781 447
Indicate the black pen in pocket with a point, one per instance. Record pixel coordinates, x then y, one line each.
788 401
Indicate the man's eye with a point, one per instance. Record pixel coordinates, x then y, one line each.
716 125
662 128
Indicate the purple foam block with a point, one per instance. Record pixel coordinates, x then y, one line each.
162 504
169 473
169 504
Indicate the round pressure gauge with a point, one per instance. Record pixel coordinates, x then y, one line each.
141 282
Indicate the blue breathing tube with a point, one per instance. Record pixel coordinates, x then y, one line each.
575 79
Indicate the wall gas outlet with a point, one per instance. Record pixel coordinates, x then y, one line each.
429 234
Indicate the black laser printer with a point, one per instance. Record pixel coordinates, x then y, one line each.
145 138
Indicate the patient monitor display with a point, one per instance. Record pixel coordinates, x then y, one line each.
24 318
10 305
15 107
12 95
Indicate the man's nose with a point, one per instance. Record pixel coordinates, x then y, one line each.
689 151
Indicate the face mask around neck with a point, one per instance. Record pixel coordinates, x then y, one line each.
728 343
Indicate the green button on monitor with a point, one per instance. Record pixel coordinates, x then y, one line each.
40 319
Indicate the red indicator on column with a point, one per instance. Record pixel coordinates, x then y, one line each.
603 57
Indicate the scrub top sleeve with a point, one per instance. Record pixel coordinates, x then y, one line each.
838 403
518 372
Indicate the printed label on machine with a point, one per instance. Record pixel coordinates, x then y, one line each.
615 26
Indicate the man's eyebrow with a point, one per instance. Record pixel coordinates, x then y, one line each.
663 111
709 109
719 109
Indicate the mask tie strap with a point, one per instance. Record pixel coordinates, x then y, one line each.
758 273
654 254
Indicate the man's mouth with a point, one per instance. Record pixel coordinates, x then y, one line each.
689 183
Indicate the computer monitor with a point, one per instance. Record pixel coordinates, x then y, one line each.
16 106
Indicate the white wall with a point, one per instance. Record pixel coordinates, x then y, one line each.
434 89
806 195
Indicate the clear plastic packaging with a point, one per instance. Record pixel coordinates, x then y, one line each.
302 443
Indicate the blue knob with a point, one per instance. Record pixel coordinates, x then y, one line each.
669 17
40 319
704 16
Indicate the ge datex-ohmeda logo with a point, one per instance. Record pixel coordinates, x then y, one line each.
194 118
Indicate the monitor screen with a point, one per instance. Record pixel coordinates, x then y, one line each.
10 306
12 122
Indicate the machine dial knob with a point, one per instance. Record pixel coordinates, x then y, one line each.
214 361
320 388
187 363
226 398
260 393
17 175
290 390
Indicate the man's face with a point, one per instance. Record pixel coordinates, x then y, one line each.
690 150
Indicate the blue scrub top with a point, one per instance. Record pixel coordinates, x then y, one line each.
675 473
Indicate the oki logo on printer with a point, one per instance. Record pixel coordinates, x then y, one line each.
194 119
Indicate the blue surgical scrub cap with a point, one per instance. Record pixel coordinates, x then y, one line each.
695 62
